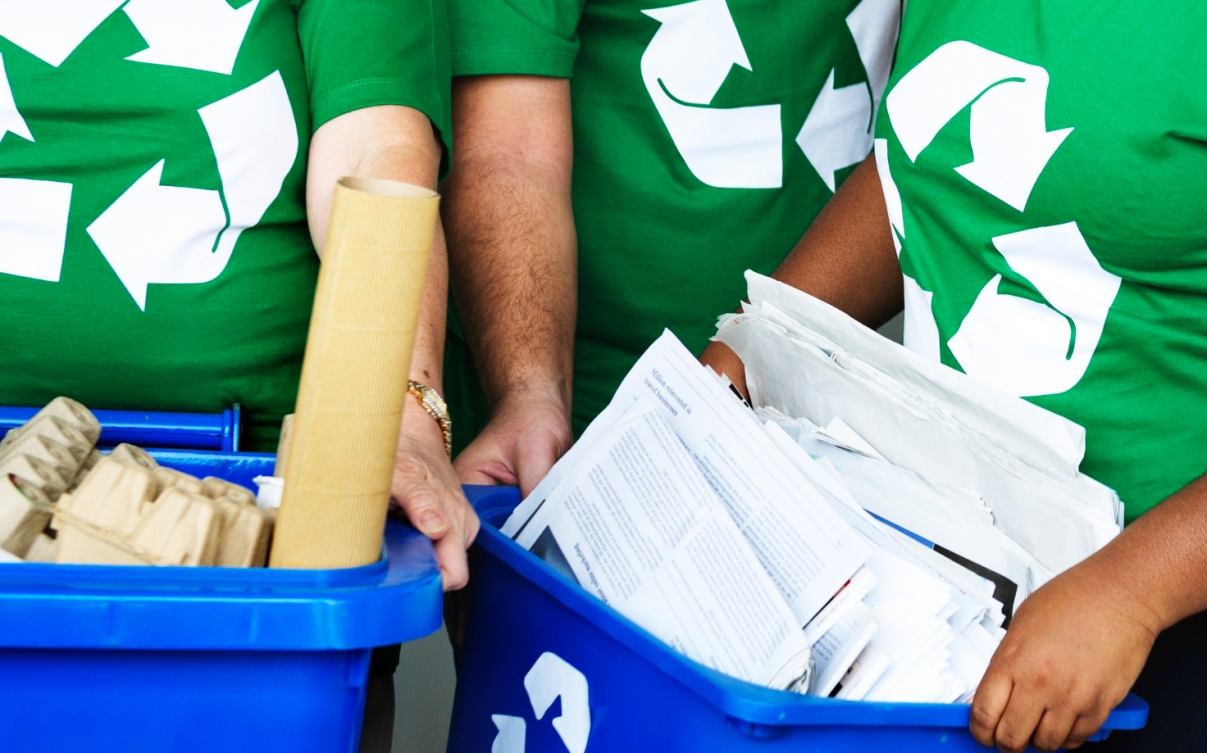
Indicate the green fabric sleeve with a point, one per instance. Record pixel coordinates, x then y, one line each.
531 37
365 53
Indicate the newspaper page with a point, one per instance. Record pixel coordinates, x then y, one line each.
639 526
806 547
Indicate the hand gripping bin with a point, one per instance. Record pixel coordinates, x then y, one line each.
548 668
176 659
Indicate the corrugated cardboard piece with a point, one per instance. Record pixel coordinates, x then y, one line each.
354 377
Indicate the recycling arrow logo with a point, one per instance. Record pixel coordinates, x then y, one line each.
152 233
1020 345
691 55
550 678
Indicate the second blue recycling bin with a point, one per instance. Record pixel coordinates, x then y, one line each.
548 668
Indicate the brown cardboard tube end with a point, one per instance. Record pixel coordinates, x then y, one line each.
389 188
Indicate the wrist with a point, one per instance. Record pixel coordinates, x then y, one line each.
1138 594
546 396
532 376
419 427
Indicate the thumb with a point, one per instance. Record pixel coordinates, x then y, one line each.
481 464
425 513
474 476
534 468
989 703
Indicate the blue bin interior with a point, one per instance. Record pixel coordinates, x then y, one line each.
752 704
394 600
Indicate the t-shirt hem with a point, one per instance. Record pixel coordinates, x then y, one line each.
519 61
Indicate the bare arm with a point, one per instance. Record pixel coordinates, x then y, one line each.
398 143
514 268
846 258
1078 644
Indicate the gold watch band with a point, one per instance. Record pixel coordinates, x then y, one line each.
435 407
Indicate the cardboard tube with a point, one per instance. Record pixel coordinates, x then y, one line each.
354 377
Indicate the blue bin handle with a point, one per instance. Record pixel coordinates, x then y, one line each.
188 431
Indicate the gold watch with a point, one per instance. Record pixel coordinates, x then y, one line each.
435 407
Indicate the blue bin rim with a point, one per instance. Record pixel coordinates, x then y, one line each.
739 700
397 599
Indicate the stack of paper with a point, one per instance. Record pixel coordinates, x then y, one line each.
680 508
807 359
866 532
939 619
676 508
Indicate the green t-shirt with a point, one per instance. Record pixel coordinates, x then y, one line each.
707 136
1049 195
154 250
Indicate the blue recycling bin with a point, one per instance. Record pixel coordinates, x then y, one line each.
548 668
176 659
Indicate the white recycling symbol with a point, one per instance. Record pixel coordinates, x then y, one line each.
1022 346
551 677
152 233
691 55
838 130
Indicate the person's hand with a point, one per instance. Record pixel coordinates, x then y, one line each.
526 436
721 359
426 490
1072 652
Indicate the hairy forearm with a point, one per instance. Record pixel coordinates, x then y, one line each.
846 258
514 276
512 248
